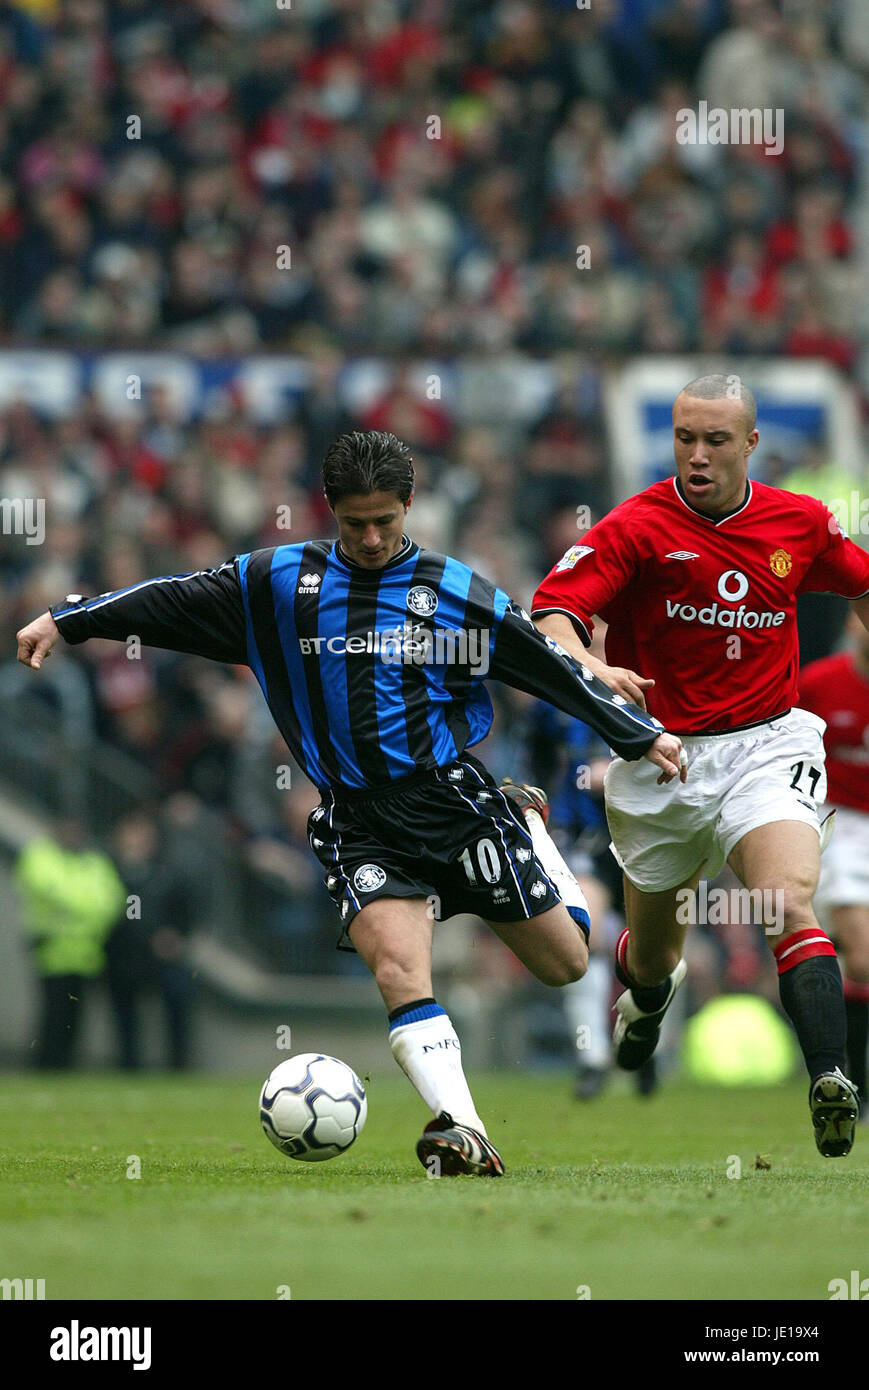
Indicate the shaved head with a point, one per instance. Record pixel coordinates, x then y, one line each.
717 386
713 435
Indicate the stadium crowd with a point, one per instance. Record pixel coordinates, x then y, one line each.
410 181
431 168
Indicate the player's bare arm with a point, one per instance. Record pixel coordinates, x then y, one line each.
861 607
666 751
36 640
618 678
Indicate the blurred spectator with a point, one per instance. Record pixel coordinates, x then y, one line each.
395 182
147 952
70 895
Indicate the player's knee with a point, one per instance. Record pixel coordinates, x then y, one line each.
792 911
396 979
564 969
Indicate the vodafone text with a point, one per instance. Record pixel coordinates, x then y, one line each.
714 616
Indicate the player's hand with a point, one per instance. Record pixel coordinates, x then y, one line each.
36 640
668 754
624 682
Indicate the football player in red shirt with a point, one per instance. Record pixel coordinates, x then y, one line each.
698 578
837 689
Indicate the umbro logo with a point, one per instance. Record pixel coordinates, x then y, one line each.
681 555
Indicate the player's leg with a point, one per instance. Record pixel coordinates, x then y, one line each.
782 858
651 947
850 926
587 1001
394 938
663 840
547 948
549 945
553 945
649 963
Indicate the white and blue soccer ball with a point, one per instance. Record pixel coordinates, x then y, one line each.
313 1107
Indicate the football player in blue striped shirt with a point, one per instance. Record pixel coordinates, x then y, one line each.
373 656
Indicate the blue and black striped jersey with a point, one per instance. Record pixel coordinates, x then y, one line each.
370 675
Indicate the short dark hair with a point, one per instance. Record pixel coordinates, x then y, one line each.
716 386
367 461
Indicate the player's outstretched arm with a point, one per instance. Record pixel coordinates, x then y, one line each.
528 660
201 614
618 678
36 640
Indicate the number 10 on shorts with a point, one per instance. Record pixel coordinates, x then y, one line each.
487 860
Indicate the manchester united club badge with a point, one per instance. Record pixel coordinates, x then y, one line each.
780 563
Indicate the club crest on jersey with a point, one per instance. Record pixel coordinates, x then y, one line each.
780 563
368 878
422 600
571 556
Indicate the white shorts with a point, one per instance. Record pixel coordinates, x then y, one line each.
844 880
736 782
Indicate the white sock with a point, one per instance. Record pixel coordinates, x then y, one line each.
586 1007
550 857
429 1053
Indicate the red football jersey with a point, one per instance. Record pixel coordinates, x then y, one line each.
834 689
706 606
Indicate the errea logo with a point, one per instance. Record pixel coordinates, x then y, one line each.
309 584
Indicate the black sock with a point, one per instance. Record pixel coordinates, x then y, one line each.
811 995
857 1015
649 998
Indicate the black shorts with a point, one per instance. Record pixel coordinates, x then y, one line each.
449 836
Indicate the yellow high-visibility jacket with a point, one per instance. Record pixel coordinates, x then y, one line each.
70 900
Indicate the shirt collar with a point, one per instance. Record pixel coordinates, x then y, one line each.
713 520
408 548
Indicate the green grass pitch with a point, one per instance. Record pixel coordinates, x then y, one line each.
623 1197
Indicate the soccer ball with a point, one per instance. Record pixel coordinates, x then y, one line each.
312 1107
